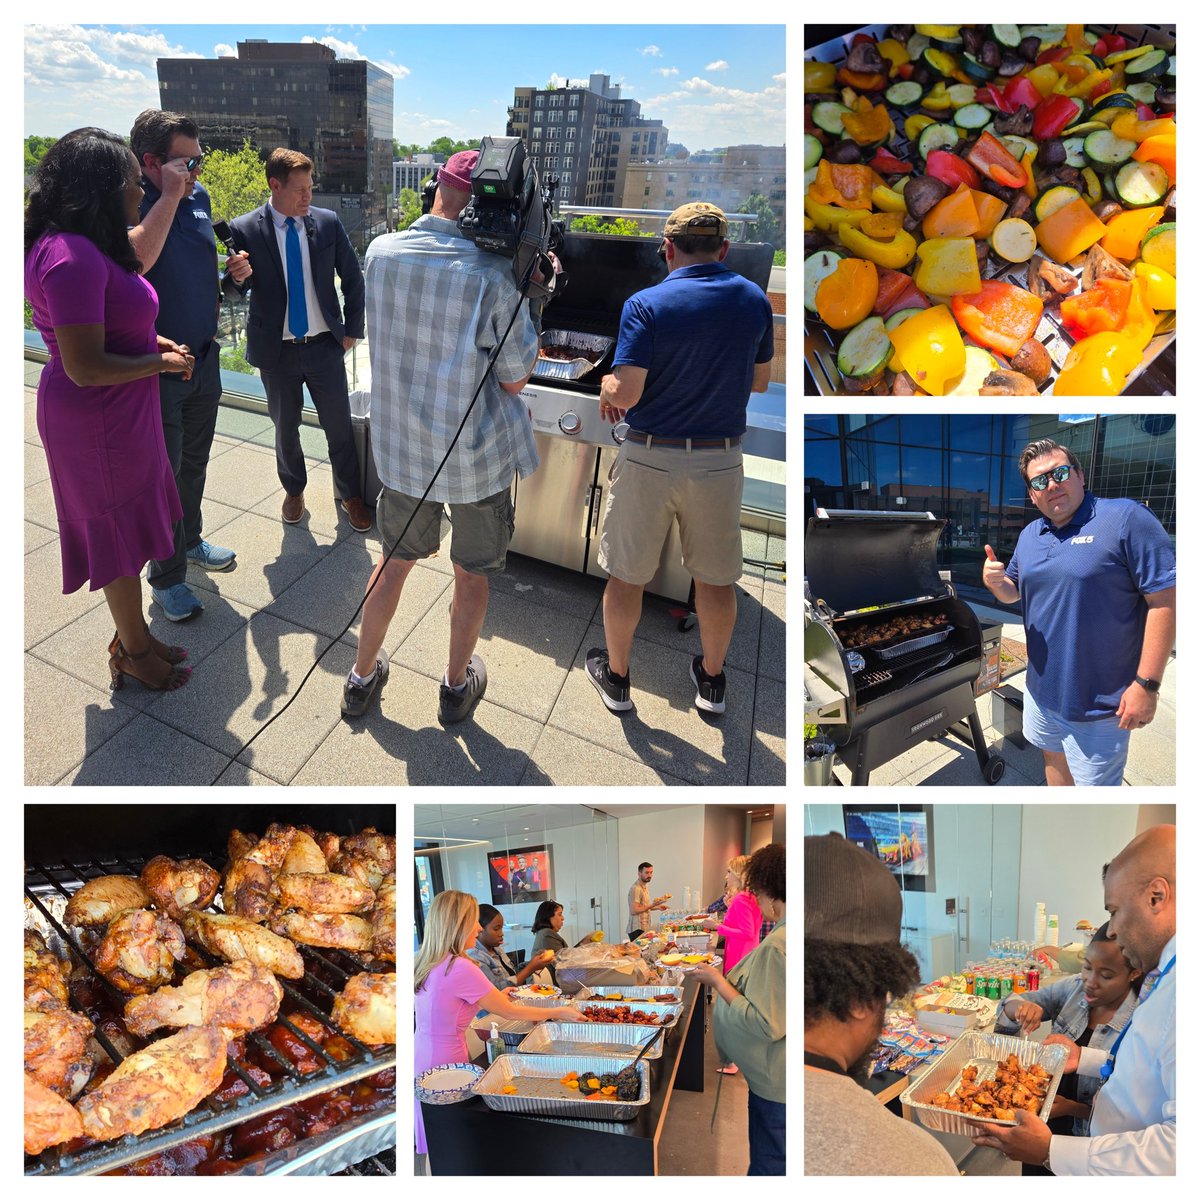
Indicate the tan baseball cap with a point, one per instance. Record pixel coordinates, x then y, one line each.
697 219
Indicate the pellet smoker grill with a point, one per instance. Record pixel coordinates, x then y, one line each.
877 697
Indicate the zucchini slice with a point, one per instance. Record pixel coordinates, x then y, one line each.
1007 35
980 364
812 150
974 69
1147 66
1141 184
827 115
905 95
1074 148
1047 35
1019 146
865 350
937 137
1051 200
972 117
1014 240
899 317
1158 247
961 94
816 267
1143 93
940 63
1105 151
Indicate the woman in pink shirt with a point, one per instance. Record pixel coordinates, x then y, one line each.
742 924
450 989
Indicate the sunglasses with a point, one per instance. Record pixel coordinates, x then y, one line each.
192 163
1039 483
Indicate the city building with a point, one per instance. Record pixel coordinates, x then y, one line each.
302 96
412 172
725 178
964 469
587 135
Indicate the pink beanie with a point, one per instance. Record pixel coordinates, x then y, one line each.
457 171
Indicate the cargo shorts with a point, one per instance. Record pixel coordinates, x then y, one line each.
651 486
479 531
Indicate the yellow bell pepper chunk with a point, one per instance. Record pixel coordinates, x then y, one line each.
895 53
819 76
1043 78
827 217
1140 318
1129 127
930 348
937 98
1124 232
949 267
1098 366
887 200
894 253
1030 188
1160 287
914 124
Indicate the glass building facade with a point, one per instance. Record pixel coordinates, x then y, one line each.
963 468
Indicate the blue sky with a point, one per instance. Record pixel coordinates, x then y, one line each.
711 85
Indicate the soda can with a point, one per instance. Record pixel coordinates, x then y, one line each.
994 987
1006 985
981 985
1018 983
1033 980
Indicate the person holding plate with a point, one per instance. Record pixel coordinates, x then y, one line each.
496 965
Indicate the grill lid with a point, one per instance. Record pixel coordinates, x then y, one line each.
854 559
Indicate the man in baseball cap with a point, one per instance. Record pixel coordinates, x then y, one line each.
853 964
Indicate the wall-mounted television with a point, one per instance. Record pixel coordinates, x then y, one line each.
521 876
899 835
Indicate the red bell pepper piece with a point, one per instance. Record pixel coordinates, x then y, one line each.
911 297
905 70
1055 54
992 157
892 285
860 38
1115 43
888 164
1021 91
999 316
994 97
1053 115
1101 89
1101 309
951 169
1145 113
1100 49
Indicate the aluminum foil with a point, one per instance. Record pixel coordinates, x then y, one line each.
667 1014
624 1041
555 1066
575 368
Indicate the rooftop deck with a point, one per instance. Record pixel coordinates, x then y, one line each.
286 600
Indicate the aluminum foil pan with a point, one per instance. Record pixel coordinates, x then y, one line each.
575 368
643 993
331 1152
918 643
667 1014
554 1066
620 1041
984 1050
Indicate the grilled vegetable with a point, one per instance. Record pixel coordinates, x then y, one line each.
1014 240
865 351
1140 184
1008 383
1033 360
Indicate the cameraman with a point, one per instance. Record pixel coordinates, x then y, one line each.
437 307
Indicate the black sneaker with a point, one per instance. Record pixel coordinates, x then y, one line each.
356 696
710 689
457 706
613 689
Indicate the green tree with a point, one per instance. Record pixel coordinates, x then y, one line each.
233 358
409 204
766 227
780 259
236 181
625 226
35 150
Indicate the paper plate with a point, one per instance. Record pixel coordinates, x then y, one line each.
448 1083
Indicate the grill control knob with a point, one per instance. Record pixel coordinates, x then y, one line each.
620 431
570 422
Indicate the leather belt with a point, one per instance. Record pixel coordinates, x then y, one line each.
652 439
304 341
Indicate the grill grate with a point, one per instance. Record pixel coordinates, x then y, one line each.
821 344
210 1116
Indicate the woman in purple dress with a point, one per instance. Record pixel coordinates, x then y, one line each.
97 409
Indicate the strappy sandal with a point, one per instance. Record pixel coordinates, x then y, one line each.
171 654
117 658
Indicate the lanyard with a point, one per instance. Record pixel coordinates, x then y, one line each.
822 1063
1109 1066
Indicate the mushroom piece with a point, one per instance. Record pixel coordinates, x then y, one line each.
1105 209
972 38
1164 98
1099 264
1011 63
900 32
989 54
1019 123
1033 361
1020 205
1051 153
1029 48
904 385
865 58
921 193
1008 383
846 151
1047 279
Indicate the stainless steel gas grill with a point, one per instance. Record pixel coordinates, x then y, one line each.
890 652
327 1102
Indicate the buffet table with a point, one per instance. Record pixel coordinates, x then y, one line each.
462 1138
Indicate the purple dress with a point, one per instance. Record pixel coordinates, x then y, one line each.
114 490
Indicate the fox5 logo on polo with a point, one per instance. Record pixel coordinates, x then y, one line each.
1083 541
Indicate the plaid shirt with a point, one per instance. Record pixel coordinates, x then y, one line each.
436 308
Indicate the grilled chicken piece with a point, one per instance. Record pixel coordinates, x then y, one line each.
305 857
239 998
368 857
49 1119
139 951
339 931
156 1085
231 938
239 843
383 921
45 975
323 893
329 844
56 1050
100 900
247 890
366 1008
177 886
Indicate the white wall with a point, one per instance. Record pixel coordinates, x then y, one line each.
673 840
724 838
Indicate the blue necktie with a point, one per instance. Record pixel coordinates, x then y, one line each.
297 309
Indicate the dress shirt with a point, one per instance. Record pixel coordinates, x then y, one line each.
1133 1118
316 319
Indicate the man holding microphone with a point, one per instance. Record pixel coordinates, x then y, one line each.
1096 583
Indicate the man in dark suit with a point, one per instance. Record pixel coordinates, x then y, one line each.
296 333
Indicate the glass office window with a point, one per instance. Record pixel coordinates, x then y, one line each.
823 462
923 430
972 432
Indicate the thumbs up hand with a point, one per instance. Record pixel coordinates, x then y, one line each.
993 570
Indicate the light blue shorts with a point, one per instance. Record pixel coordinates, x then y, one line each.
1095 750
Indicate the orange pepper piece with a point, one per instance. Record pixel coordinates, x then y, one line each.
999 316
953 216
1069 231
883 227
848 295
1101 309
1124 232
990 209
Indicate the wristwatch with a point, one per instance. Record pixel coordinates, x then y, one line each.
1151 685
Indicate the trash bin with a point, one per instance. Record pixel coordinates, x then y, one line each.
360 421
1008 707
818 769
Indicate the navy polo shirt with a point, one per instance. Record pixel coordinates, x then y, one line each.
185 273
1082 591
698 334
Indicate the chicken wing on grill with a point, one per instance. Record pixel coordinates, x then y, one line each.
329 844
139 951
178 886
239 843
305 856
383 921
49 1119
100 900
339 931
156 1085
56 1050
367 856
366 1008
239 998
323 893
45 975
247 889
230 937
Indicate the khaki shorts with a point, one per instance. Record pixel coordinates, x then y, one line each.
651 486
479 531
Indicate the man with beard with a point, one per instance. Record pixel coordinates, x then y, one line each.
1132 1130
853 961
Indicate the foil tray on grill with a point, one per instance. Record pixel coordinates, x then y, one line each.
574 368
620 1041
554 1066
911 644
985 1050
330 1152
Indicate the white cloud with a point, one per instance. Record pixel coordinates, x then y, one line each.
223 50
652 51
702 113
666 72
395 70
557 80
340 48
719 65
